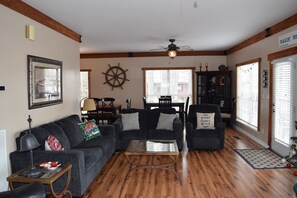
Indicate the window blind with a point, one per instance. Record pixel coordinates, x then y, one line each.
247 91
284 99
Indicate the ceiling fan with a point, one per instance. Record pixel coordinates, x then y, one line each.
173 48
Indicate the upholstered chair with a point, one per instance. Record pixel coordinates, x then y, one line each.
205 136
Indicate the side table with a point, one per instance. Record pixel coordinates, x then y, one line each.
47 178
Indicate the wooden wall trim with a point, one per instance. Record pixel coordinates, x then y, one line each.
151 54
283 53
248 62
27 10
289 22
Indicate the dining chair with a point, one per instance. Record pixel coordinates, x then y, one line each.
128 101
165 102
186 108
107 111
165 96
144 103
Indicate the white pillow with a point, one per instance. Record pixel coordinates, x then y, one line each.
205 120
166 121
130 121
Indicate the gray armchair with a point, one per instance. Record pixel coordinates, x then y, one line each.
205 139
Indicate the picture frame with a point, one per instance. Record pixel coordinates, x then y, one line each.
44 82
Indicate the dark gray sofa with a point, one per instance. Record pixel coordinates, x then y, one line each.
87 157
148 121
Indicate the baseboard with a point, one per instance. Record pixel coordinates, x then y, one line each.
252 137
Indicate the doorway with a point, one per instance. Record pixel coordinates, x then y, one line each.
283 103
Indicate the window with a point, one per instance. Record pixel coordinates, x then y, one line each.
85 84
247 93
176 82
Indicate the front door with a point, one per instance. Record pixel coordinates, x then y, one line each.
284 103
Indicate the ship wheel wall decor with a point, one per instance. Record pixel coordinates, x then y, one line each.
115 76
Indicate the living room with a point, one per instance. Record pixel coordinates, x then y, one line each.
51 44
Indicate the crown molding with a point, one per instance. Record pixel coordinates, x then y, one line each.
151 54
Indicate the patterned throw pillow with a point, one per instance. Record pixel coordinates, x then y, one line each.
53 144
90 129
205 120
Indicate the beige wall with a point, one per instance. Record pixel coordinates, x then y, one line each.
14 49
259 50
134 88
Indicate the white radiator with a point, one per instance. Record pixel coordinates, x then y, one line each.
3 161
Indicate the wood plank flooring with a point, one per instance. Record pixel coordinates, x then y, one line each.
203 174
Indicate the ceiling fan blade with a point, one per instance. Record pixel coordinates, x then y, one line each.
160 49
185 47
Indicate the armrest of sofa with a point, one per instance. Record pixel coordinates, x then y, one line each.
32 190
178 127
178 132
221 127
20 160
107 129
118 126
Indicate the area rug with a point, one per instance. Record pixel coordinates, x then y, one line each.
261 158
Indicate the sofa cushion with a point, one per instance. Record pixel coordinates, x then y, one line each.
154 115
130 121
133 135
58 132
106 143
143 116
166 121
160 134
89 129
40 134
91 156
205 133
71 129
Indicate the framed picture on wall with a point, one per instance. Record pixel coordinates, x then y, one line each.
44 82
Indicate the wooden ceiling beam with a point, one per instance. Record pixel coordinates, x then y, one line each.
151 54
289 22
25 9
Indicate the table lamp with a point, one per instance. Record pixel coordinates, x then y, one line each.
88 105
28 142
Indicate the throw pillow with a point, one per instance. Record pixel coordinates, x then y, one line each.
205 120
130 121
89 129
166 121
53 144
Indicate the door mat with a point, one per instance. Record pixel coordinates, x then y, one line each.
262 158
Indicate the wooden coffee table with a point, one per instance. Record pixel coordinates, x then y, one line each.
138 148
48 178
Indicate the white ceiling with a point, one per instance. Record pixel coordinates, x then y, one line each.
142 25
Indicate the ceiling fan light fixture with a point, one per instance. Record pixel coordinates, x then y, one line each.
172 53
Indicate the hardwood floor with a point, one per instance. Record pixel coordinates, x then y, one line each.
203 173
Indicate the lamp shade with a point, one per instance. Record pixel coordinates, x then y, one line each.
89 105
28 142
172 53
